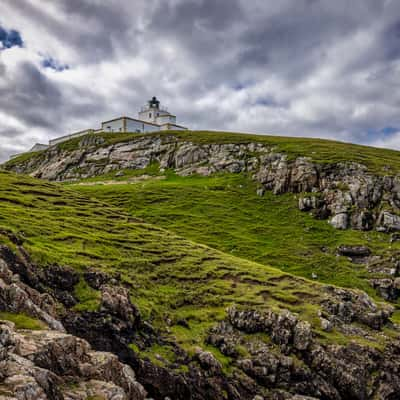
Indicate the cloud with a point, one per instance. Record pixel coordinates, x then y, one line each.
293 67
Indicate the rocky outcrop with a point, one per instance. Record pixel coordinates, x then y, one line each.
295 361
18 297
384 272
345 193
54 365
272 354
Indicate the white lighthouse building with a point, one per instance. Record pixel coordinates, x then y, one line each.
153 113
151 118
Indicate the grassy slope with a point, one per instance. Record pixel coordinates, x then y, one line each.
380 161
225 213
171 277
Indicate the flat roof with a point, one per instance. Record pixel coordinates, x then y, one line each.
71 135
171 123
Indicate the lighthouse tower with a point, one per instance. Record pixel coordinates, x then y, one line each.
153 113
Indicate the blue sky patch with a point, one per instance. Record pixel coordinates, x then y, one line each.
10 38
50 62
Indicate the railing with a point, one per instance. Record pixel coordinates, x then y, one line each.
147 108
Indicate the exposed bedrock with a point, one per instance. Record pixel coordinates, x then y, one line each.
275 354
345 193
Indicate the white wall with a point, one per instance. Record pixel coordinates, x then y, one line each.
39 147
68 137
145 115
137 126
113 126
164 119
173 127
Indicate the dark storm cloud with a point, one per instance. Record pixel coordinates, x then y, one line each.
189 16
93 29
30 96
302 67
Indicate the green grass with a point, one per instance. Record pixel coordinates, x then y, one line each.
24 157
126 174
22 321
170 275
225 213
88 298
379 161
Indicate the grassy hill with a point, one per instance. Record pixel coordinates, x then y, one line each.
224 212
171 277
379 161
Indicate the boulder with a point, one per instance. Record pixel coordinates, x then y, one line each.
357 254
208 361
115 301
340 221
43 364
95 278
387 288
388 222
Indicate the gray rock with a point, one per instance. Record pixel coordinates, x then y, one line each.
260 192
42 364
208 361
388 221
326 325
345 192
340 221
116 301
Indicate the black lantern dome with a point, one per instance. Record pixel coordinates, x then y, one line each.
154 103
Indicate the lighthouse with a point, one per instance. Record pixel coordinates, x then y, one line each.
153 112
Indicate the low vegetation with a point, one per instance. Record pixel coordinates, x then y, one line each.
224 212
22 321
379 161
172 278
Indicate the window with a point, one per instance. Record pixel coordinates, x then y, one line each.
149 115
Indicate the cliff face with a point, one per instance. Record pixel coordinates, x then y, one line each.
124 309
48 363
295 364
345 193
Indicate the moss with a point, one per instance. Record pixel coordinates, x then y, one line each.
225 213
89 299
225 361
21 159
245 240
159 355
125 174
134 347
23 321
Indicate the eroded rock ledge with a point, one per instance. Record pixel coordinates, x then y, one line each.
47 364
345 193
275 354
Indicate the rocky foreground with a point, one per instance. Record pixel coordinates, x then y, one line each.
276 354
345 193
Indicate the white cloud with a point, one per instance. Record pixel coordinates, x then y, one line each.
302 68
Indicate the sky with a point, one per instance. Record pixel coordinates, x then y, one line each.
317 68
